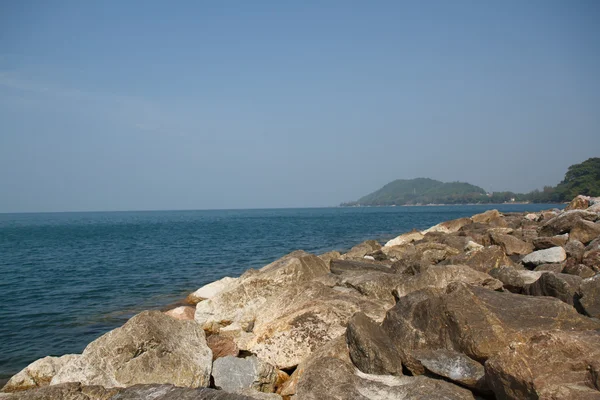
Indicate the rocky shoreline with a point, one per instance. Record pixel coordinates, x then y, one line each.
502 306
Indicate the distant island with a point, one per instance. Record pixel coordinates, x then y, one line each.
583 178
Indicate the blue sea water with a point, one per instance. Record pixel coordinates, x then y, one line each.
67 278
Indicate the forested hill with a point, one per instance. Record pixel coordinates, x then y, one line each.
422 191
582 178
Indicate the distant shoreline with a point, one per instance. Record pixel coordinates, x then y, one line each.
449 204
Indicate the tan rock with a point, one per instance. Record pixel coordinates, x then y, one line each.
548 365
150 348
305 317
361 250
210 290
585 231
238 306
486 217
449 226
483 260
182 313
578 203
405 238
511 245
38 373
440 276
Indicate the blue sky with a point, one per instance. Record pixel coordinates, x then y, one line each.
191 105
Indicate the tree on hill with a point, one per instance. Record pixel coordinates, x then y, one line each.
582 179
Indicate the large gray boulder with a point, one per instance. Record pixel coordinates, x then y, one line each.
234 374
38 373
150 348
546 256
238 305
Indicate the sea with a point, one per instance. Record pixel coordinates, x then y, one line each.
68 278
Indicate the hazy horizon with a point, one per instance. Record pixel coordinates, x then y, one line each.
115 106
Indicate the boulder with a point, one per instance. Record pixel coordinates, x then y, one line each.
565 221
547 365
440 276
514 280
238 305
340 266
76 391
483 260
222 346
182 313
580 270
235 374
38 373
511 245
432 253
361 250
453 366
585 231
556 268
304 318
398 252
475 321
575 250
149 348
371 350
546 242
592 260
210 290
330 255
472 246
486 217
448 226
405 238
562 286
590 296
532 217
547 256
578 203
329 378
373 284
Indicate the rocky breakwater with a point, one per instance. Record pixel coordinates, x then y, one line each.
497 305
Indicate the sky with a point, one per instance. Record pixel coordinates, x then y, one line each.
156 105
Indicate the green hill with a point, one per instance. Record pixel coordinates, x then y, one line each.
422 191
583 178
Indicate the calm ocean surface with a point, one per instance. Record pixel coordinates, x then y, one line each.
67 278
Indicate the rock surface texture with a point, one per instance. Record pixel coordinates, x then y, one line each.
150 348
496 306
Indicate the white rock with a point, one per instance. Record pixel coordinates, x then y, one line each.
211 290
38 373
405 238
369 258
472 246
532 217
547 256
